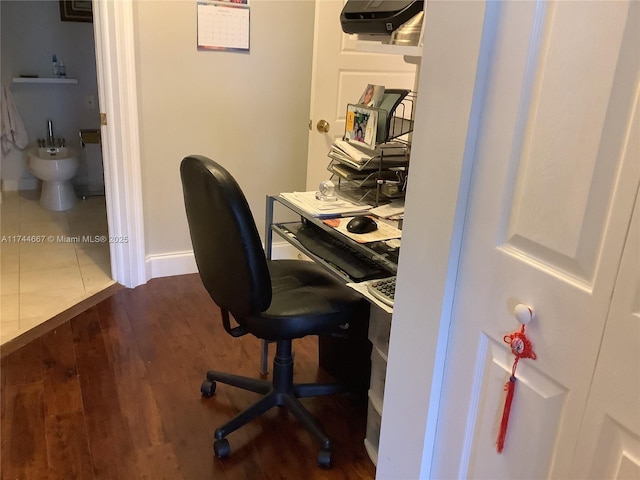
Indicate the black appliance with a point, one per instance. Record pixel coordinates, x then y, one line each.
378 16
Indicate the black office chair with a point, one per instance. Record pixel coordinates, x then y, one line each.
274 300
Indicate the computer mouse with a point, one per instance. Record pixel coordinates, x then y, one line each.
362 224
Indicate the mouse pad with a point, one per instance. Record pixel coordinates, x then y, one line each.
384 231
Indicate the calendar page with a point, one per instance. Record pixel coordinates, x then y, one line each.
223 25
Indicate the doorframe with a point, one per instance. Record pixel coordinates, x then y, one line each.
118 99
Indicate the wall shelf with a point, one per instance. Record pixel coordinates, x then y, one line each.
379 47
44 80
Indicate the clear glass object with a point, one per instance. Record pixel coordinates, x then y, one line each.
326 191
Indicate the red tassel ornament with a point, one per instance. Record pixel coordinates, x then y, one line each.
521 347
509 387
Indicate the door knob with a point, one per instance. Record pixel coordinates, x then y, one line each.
323 126
524 313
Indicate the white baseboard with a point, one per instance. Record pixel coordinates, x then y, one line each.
183 263
20 184
169 264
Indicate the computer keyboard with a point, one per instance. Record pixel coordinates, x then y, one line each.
326 246
383 289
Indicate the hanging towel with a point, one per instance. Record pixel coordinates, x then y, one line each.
12 131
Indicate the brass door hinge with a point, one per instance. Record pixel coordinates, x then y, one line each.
103 119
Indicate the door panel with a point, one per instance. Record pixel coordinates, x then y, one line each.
340 75
539 396
557 213
609 445
618 453
549 205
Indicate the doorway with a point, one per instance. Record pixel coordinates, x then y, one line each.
40 279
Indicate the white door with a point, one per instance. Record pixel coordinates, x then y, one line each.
609 441
340 75
556 172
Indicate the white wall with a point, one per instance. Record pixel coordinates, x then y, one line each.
441 155
31 33
248 111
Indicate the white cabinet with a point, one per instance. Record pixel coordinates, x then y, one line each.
379 329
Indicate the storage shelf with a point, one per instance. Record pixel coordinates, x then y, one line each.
379 47
44 80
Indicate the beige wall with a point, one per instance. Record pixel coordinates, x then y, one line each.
248 111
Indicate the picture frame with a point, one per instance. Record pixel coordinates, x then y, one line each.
372 96
361 126
76 11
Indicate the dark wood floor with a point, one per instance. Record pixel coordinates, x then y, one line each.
114 394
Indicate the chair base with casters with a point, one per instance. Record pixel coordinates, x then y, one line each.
281 392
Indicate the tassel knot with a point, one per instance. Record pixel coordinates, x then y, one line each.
521 348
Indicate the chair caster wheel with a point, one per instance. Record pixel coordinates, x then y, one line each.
222 448
324 458
208 388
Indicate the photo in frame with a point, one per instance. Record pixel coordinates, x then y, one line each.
361 125
372 95
76 11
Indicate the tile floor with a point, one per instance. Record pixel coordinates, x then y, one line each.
43 278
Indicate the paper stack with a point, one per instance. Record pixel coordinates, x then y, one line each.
322 209
394 154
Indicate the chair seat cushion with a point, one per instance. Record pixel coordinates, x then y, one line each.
307 300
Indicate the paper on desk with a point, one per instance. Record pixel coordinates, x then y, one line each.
389 210
308 202
384 231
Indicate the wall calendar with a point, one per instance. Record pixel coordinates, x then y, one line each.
223 25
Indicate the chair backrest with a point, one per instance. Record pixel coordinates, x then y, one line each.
226 243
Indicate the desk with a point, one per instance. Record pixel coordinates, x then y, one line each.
378 252
380 317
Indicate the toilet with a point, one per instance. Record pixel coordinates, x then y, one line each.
55 166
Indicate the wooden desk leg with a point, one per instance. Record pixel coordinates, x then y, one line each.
264 354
